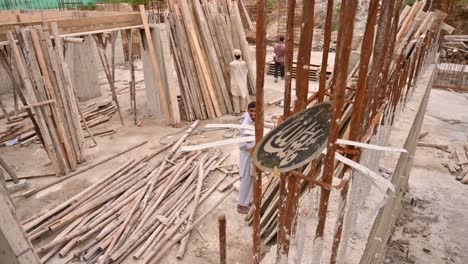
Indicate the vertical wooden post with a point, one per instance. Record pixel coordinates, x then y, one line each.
222 239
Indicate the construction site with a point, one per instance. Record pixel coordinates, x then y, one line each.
233 131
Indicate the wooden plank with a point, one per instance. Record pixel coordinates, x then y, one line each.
156 70
70 97
202 65
217 143
27 83
214 61
61 132
169 66
74 25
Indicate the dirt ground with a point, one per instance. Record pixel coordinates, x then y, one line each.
33 160
432 227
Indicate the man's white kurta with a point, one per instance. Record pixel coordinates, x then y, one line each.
245 166
238 71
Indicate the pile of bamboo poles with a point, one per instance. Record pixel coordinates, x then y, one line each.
203 37
49 94
94 115
135 211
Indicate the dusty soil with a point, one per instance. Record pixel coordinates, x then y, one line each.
432 225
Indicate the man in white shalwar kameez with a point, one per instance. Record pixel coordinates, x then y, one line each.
246 168
239 90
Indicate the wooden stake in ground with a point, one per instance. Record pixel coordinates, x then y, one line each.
133 106
222 239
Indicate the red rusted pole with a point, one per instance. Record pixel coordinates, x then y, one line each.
288 209
345 36
303 60
288 62
326 49
382 87
377 59
222 239
356 117
260 57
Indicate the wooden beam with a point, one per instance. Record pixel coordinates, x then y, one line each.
82 24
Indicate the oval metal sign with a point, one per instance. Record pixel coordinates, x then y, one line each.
299 140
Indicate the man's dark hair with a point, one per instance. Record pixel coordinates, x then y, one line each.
251 105
237 57
281 38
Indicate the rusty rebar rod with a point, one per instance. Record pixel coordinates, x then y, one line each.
326 50
260 81
345 36
289 57
377 58
222 239
303 57
288 208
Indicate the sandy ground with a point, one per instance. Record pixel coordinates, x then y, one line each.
433 225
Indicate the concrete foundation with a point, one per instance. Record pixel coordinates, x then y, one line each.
83 67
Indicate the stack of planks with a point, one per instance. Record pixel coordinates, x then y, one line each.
94 114
203 37
141 209
49 94
314 71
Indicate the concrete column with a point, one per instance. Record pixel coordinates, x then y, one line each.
15 247
83 66
152 89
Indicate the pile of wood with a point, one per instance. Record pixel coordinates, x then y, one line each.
140 210
49 94
94 114
314 71
203 37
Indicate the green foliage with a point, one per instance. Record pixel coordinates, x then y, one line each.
271 4
132 2
409 2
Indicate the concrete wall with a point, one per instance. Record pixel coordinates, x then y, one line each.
387 216
83 65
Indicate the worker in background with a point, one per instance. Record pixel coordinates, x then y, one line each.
280 50
246 168
238 70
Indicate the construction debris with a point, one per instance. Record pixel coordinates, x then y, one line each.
94 114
